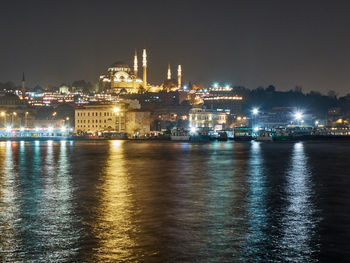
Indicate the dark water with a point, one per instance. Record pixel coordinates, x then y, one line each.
117 201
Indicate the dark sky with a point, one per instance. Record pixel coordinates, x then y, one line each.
249 43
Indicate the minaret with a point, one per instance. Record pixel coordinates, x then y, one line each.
169 72
179 74
135 64
23 87
135 71
144 66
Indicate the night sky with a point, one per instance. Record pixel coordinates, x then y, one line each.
249 43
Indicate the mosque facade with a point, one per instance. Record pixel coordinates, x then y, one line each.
121 79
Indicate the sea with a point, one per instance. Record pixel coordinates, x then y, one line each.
159 201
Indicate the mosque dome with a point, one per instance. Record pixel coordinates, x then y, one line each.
119 64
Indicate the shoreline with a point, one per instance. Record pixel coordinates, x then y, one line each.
306 138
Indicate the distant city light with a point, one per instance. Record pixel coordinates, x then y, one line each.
8 129
116 109
216 85
185 87
193 129
227 87
63 129
50 129
21 129
256 129
255 111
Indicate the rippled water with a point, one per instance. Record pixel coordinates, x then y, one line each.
119 201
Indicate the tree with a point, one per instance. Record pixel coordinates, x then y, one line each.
332 94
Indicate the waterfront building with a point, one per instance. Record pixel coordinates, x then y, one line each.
14 112
207 119
122 117
98 118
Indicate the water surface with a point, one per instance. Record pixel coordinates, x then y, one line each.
119 201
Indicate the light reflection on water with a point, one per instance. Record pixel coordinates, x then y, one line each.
120 201
298 223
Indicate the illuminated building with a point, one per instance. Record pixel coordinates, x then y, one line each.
64 89
122 117
121 79
171 84
95 118
222 98
206 119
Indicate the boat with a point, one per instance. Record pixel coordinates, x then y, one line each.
180 135
222 136
264 136
243 134
282 134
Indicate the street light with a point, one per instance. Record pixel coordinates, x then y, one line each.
255 111
298 115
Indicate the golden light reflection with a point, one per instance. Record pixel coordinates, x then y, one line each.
114 226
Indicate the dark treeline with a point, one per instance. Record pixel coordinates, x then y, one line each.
9 85
314 102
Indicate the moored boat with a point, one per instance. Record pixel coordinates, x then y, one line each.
180 136
243 134
264 136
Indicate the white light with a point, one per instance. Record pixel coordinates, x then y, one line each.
50 129
298 115
255 111
193 129
216 85
227 87
256 129
185 87
8 129
317 122
21 129
63 129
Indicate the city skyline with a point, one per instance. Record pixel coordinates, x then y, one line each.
247 44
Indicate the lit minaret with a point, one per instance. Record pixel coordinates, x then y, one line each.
144 66
23 86
169 72
135 64
179 77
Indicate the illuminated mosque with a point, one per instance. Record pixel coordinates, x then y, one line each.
120 78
